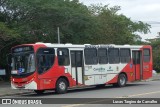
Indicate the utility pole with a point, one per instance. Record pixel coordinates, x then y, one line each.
58 35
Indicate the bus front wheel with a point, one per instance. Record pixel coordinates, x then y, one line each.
61 86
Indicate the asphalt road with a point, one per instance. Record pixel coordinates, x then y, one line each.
149 89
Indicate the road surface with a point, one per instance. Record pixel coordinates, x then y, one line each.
149 89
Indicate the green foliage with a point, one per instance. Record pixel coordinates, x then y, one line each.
37 20
6 33
156 55
7 40
115 28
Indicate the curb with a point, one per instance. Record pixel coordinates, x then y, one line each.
155 79
150 80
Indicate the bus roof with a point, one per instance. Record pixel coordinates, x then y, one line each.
69 45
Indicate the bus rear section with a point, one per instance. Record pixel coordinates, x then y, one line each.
45 66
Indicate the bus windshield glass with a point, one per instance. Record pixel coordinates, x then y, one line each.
23 60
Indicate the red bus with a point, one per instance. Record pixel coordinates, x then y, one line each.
46 66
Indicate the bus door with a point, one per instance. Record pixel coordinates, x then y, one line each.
77 67
137 64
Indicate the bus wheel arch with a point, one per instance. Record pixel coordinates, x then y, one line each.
62 85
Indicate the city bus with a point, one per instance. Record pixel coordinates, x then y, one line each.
59 67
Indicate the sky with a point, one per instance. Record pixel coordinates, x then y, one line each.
147 11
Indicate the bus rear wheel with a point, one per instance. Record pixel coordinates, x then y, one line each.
39 91
122 80
61 86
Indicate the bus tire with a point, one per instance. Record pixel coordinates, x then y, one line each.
39 91
122 80
61 86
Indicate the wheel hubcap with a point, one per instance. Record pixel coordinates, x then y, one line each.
62 85
122 80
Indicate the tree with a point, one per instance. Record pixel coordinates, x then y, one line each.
37 20
156 54
7 40
115 28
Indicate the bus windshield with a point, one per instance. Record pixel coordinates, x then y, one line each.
23 60
23 63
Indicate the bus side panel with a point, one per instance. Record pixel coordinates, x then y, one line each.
46 83
147 71
114 80
128 70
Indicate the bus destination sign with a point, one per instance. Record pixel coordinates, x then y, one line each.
22 49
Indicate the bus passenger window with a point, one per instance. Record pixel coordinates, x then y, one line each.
102 56
91 56
125 55
113 55
146 55
63 56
